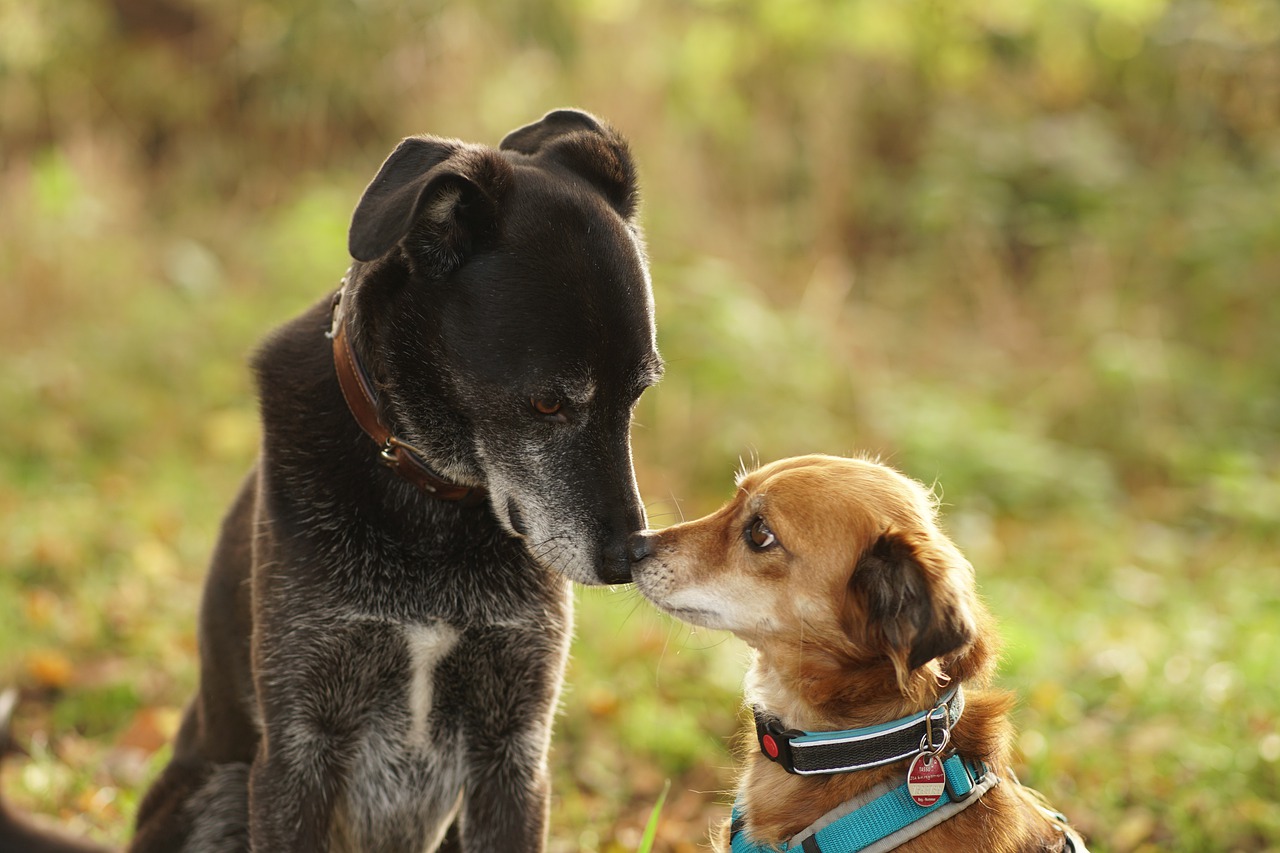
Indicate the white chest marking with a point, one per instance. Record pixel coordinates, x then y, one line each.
428 645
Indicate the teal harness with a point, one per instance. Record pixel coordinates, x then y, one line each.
881 819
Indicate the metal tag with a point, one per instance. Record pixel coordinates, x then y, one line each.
926 779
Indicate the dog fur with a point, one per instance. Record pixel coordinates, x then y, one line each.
859 610
380 668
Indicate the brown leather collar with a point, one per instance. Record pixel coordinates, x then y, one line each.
404 459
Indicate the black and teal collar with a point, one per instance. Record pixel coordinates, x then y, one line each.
817 753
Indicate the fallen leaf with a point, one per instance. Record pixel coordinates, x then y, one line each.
50 669
150 729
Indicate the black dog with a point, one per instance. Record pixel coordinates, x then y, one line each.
445 446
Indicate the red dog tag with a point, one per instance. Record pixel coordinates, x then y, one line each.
926 779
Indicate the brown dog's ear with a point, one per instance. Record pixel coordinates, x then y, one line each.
444 191
586 146
910 606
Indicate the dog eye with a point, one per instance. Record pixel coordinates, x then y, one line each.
550 409
759 536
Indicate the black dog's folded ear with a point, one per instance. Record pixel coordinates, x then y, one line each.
449 188
909 603
586 146
554 125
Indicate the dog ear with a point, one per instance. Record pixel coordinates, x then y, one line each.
447 190
911 606
586 146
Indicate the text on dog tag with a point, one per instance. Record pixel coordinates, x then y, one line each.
926 779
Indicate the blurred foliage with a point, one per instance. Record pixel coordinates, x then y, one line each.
1026 248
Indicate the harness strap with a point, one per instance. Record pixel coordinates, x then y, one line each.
881 819
1073 842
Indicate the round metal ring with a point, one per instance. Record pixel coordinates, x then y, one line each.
927 744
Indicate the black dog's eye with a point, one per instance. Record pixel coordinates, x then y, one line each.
549 408
759 536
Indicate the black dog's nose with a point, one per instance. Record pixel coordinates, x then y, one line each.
640 546
615 567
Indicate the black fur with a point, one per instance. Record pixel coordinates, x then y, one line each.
379 666
890 581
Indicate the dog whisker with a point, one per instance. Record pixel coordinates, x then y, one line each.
664 516
679 508
637 601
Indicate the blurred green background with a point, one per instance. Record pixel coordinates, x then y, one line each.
1026 249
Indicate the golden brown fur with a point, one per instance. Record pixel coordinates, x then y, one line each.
859 610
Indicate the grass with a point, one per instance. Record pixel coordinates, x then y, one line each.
1140 640
651 828
1002 250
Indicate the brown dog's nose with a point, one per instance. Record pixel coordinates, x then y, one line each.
640 546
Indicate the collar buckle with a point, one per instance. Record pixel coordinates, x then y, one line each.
390 457
975 774
775 741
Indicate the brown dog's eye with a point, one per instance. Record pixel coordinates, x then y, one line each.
550 408
759 536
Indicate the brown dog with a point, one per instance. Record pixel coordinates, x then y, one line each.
872 659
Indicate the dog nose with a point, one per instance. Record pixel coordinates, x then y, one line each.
639 546
615 568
